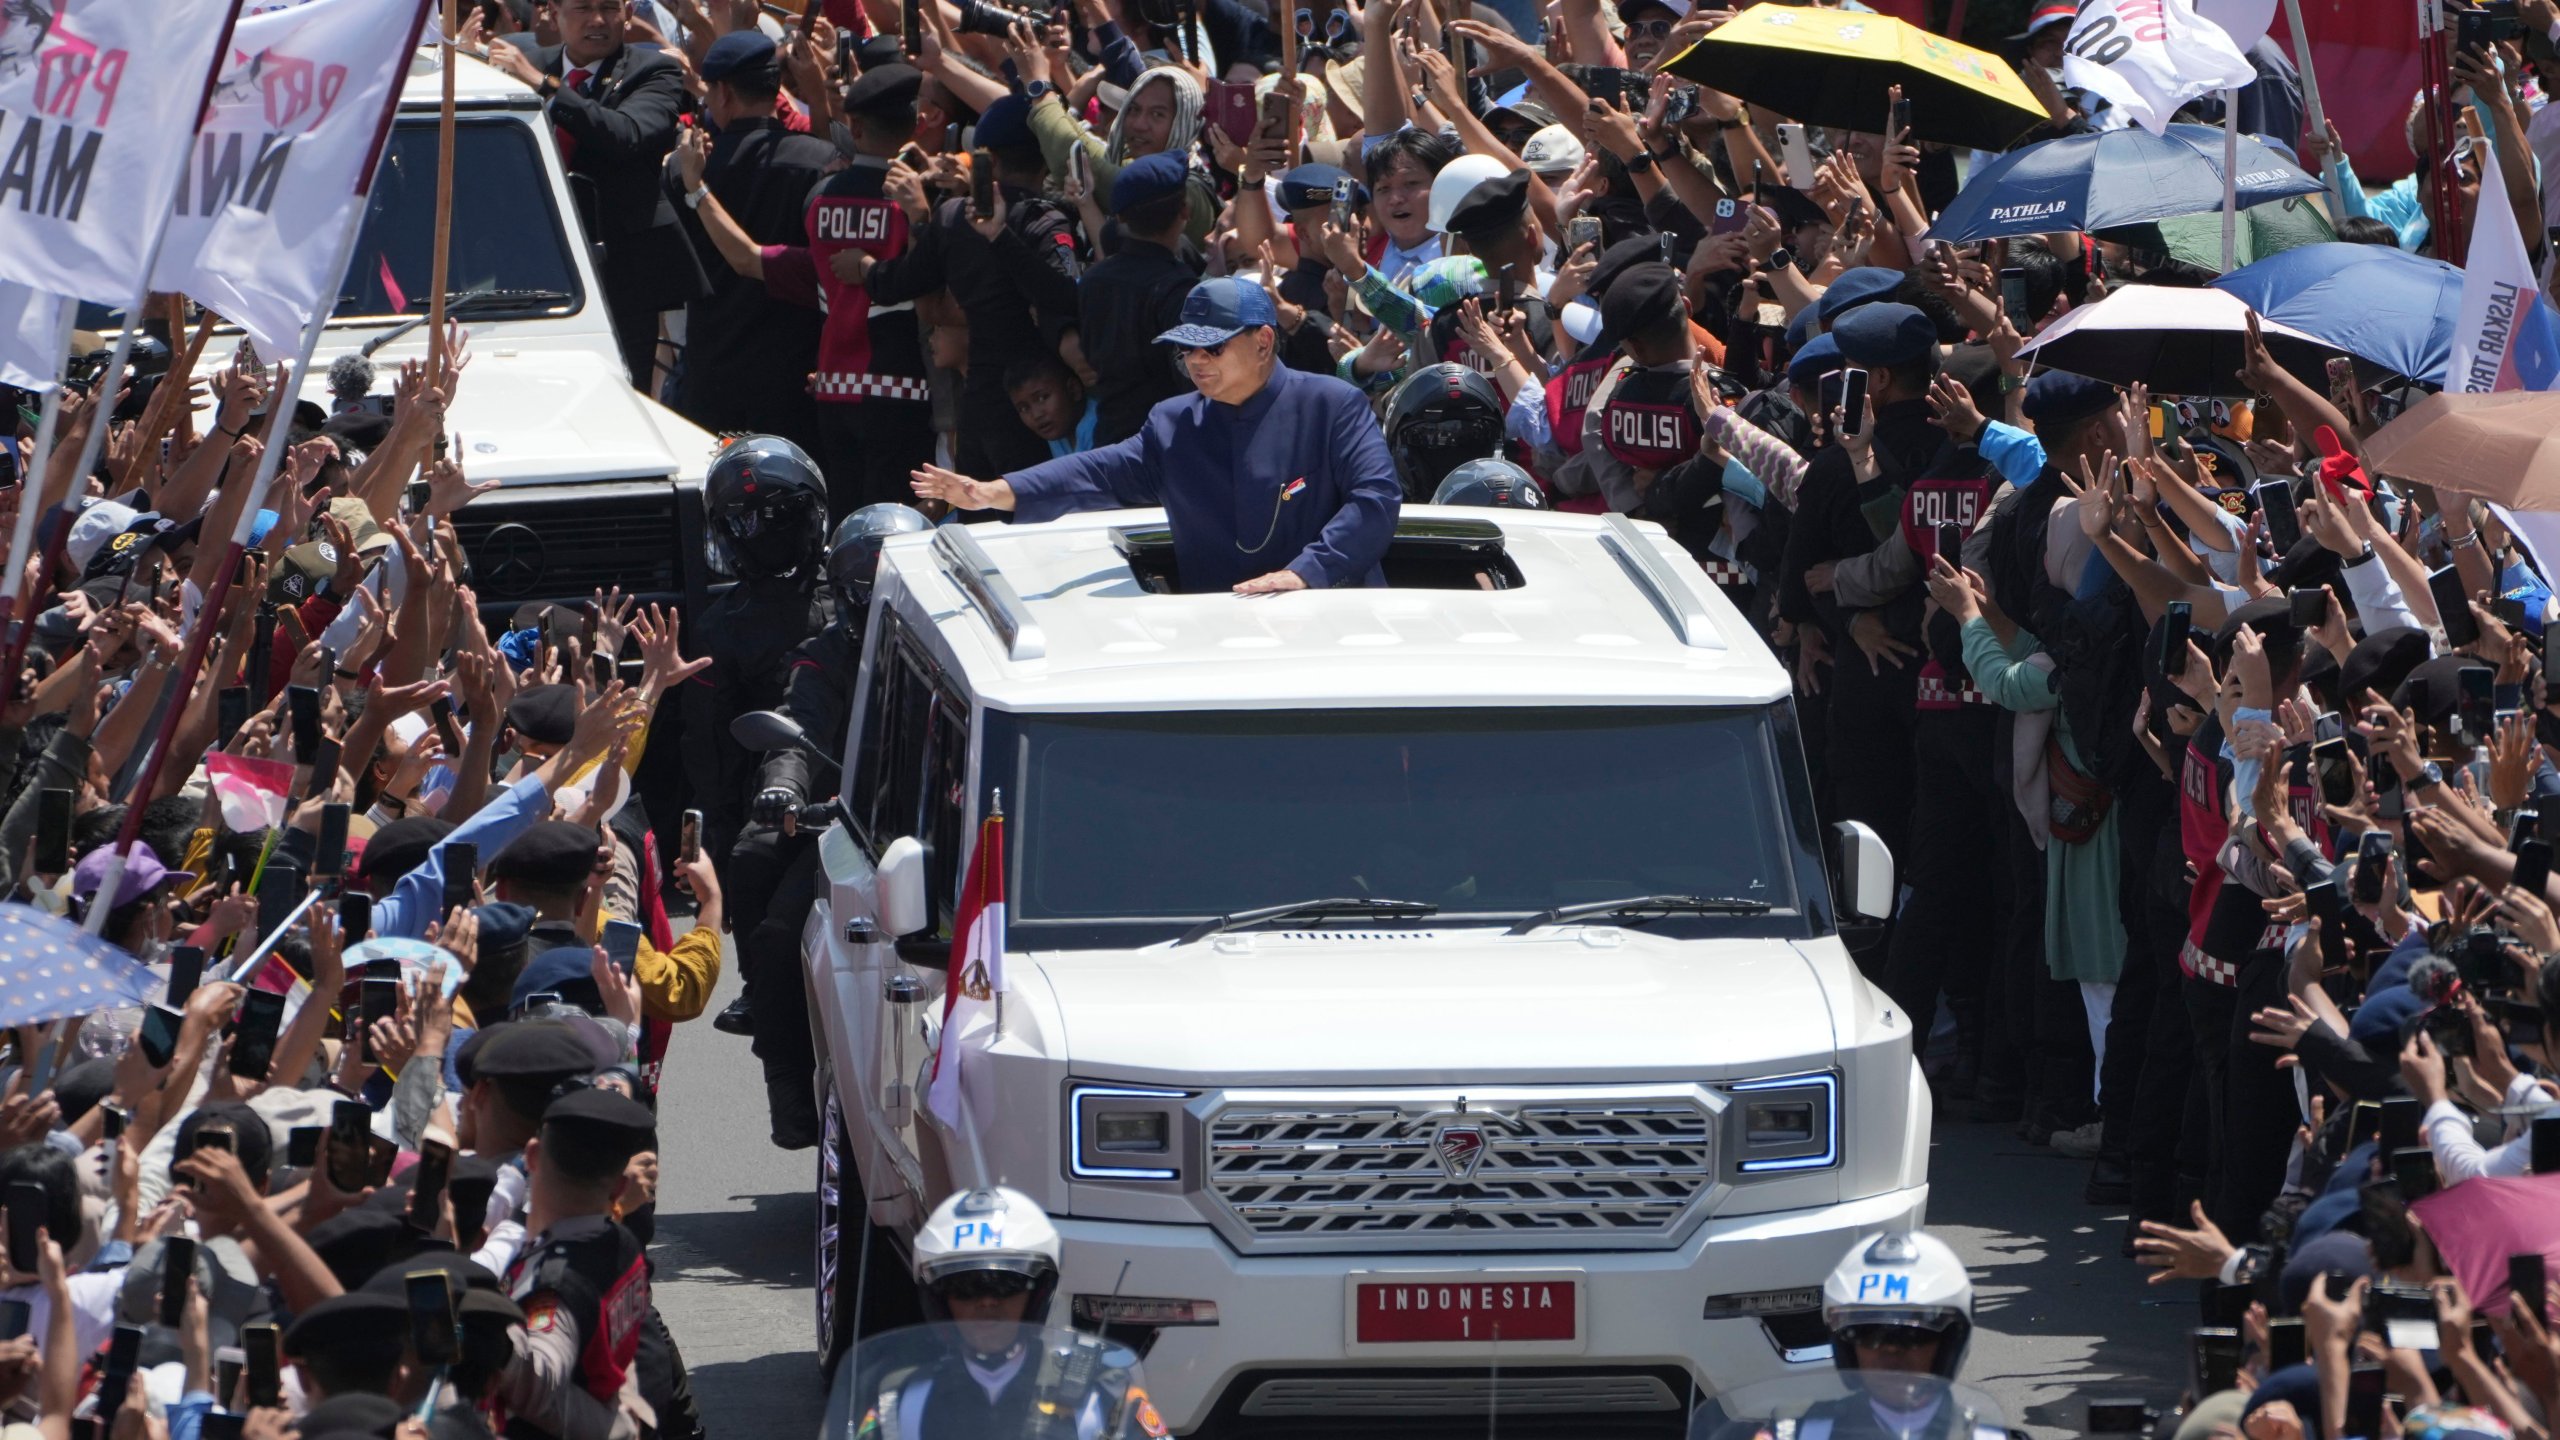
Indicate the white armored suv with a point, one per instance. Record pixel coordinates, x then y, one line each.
1419 998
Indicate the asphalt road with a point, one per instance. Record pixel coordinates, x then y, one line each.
2062 1315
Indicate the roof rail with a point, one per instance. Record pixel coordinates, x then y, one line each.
966 562
1669 591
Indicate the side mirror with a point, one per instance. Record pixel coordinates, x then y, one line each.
1866 872
903 910
768 730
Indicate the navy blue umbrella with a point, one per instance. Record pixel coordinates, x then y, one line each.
2378 303
2117 177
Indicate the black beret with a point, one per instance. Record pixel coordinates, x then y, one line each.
477 1291
553 854
356 1242
885 90
355 1318
545 714
1492 204
2433 691
1641 298
875 51
2058 397
2381 661
534 1050
1618 259
400 847
604 1116
356 1413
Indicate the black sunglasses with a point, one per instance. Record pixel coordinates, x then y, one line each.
985 1285
1212 351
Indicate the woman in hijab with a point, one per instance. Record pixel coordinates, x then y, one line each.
1163 115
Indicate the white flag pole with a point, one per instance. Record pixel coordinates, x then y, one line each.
2311 99
2230 177
22 534
112 383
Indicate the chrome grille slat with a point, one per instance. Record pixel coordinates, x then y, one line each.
1614 1171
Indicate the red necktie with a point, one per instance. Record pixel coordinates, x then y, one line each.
569 142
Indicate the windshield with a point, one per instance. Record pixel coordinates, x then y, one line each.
1478 811
506 233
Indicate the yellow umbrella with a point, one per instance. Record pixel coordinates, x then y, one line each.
1831 67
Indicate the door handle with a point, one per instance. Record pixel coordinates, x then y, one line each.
861 930
902 989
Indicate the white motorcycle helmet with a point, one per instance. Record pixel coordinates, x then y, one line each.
987 1242
1902 1280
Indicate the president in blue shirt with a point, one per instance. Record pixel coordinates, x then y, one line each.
1273 479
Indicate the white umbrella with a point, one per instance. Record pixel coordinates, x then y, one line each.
2176 340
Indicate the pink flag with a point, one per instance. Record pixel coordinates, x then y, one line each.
2477 1224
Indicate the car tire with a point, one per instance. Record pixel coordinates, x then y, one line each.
851 1304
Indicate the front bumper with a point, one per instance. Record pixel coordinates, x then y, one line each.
1287 1315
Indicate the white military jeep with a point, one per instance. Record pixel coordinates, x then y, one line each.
1414 993
600 485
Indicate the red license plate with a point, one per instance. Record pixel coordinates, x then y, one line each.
1455 1309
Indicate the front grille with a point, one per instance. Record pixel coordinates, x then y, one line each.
1616 1171
532 546
1514 1393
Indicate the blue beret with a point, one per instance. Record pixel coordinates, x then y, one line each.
1800 329
2058 397
1004 125
1854 288
1817 356
737 52
1149 177
1881 333
1310 185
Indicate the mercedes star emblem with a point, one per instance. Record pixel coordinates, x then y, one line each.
510 562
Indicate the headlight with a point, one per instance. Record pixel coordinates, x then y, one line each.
1118 1132
1788 1123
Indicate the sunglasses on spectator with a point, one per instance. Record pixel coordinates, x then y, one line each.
1648 29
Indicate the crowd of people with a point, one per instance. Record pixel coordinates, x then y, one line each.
2218 762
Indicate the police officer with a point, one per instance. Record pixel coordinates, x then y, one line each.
1439 418
1273 479
872 383
1875 651
747 355
766 525
1900 1308
1498 484
1136 295
581 1278
819 696
986 1267
1013 274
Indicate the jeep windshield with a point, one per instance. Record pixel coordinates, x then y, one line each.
507 235
1164 820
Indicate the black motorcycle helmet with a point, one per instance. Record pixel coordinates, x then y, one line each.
767 508
853 556
1441 417
1497 483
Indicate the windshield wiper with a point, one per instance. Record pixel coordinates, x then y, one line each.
1340 909
467 301
1641 907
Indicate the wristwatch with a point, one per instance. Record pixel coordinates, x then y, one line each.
2364 558
1781 258
1639 162
1037 89
693 197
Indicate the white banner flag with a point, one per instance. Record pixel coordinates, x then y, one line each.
2148 57
283 161
30 340
97 99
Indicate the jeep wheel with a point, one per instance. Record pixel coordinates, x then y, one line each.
886 1296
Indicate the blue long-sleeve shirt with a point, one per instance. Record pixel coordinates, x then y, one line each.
1297 477
405 911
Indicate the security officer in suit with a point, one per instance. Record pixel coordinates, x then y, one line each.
613 110
747 354
1273 479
